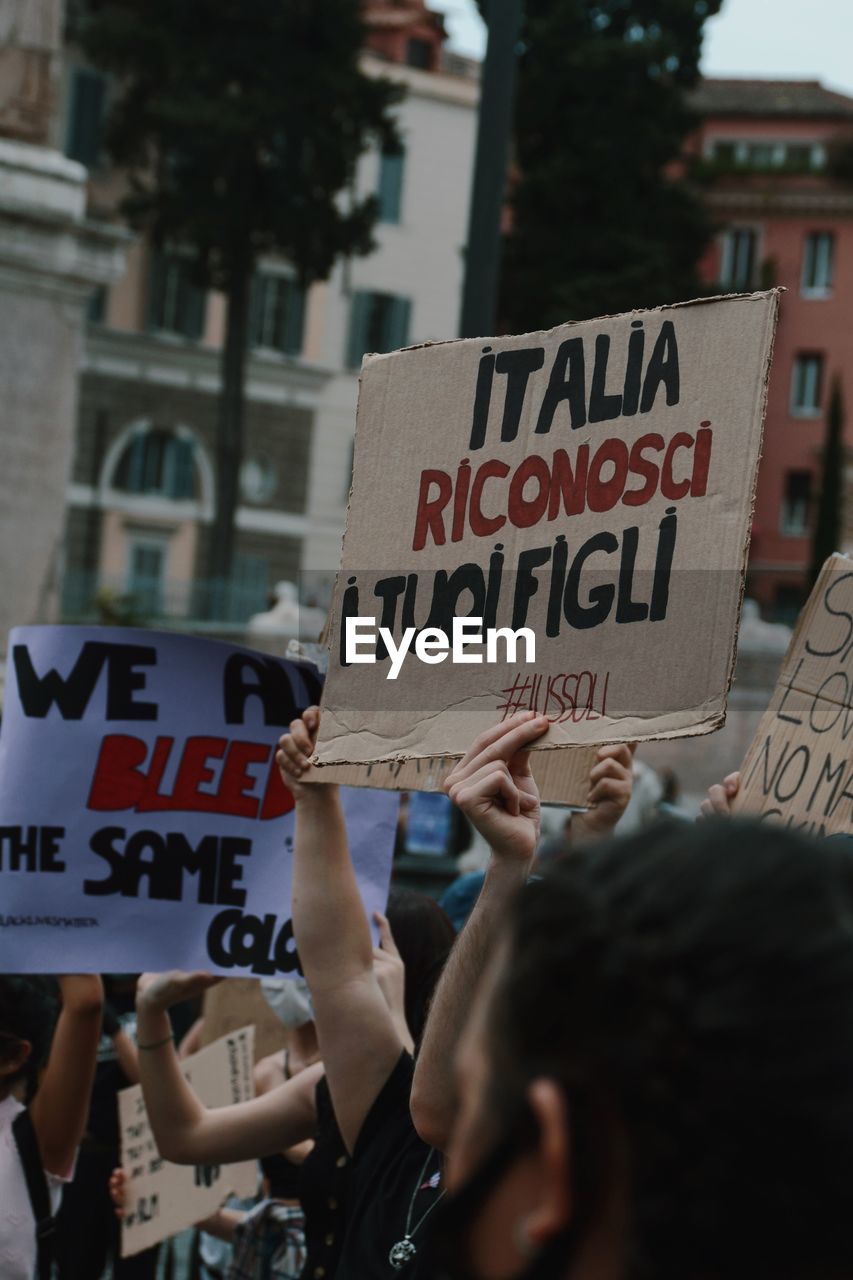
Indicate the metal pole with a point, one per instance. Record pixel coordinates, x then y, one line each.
482 255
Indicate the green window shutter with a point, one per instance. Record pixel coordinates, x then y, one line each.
156 287
183 470
398 317
391 164
194 309
136 464
294 319
85 117
362 303
257 296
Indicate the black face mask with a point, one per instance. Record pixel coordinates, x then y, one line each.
447 1245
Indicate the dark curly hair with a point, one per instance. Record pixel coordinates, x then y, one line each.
28 1011
691 988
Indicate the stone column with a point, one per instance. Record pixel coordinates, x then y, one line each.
51 259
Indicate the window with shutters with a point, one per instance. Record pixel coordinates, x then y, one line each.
276 317
250 586
390 193
146 571
86 109
378 322
419 53
175 304
806 386
796 503
738 258
818 255
158 462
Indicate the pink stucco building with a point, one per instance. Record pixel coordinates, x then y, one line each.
767 153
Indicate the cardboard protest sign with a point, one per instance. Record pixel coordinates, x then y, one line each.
591 486
562 776
162 1199
799 768
238 1001
143 821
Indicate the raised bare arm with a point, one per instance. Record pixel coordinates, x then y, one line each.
185 1130
359 1041
493 785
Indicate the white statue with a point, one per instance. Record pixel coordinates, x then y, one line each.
30 37
288 619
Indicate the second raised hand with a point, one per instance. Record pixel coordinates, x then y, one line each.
494 787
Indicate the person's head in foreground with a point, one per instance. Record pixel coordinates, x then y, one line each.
658 1081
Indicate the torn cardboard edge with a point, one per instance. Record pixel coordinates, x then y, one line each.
811 793
755 295
562 774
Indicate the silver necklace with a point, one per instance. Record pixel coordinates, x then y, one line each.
404 1250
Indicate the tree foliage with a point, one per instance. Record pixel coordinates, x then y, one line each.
240 125
599 225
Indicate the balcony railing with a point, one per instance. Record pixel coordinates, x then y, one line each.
203 603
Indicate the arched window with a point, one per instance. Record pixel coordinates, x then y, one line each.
158 462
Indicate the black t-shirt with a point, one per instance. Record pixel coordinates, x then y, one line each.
395 1179
324 1181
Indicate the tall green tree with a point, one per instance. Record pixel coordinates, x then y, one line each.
239 124
827 530
598 224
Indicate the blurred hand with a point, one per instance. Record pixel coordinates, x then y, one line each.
719 798
162 990
611 781
295 750
389 968
495 789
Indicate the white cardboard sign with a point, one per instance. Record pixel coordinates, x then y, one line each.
143 821
162 1199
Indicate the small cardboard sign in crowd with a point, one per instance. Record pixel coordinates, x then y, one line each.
589 490
162 1199
799 769
144 824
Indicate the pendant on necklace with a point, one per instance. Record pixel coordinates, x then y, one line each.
401 1253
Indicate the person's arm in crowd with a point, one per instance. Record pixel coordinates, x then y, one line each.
391 976
611 781
494 787
223 1224
359 1041
128 1058
60 1108
187 1132
718 801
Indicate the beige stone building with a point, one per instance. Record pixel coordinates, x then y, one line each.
141 492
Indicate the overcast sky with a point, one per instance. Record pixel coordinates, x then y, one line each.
800 39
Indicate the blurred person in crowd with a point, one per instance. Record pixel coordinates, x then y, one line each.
87 1234
298 1108
42 1112
396 1179
720 797
642 1072
646 797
